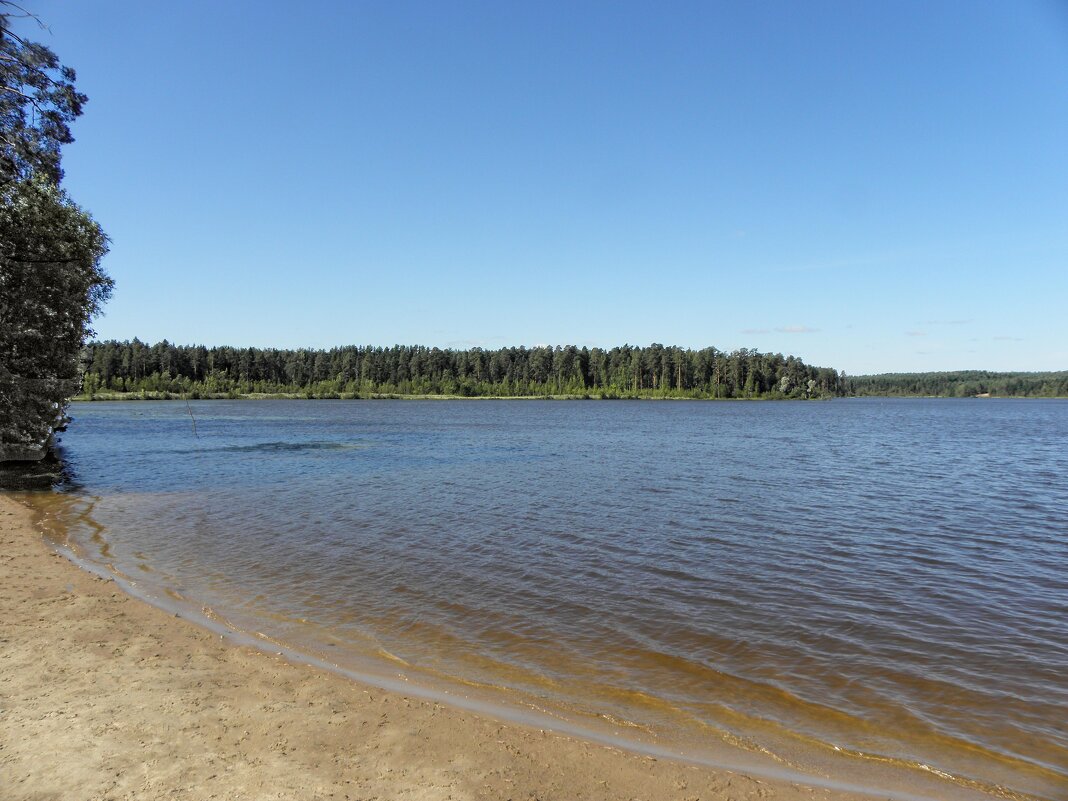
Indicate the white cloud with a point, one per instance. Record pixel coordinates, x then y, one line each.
475 343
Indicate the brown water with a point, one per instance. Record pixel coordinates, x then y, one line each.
863 588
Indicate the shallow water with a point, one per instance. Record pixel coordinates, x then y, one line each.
882 577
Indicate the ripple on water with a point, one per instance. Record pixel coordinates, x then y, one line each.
884 577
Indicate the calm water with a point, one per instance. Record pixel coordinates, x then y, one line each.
888 578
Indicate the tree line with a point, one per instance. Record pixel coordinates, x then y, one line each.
962 384
51 280
163 369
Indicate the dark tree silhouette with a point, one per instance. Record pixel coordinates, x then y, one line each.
51 282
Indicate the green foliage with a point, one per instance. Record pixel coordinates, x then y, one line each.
51 283
623 372
961 384
38 102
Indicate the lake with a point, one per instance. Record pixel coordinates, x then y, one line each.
876 580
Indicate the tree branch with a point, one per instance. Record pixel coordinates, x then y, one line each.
23 95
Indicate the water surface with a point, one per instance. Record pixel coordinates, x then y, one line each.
886 579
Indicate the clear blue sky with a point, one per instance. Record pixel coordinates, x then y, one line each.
869 186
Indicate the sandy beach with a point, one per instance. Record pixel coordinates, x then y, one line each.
103 696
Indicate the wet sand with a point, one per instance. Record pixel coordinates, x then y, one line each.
103 696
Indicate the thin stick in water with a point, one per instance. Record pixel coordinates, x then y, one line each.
189 409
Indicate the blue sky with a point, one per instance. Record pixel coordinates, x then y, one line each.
870 186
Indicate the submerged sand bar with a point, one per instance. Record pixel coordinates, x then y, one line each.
103 696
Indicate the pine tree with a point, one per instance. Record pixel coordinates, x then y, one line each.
51 282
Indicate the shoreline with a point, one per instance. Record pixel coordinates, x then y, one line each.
133 397
102 397
169 704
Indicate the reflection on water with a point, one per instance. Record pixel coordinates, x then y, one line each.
882 577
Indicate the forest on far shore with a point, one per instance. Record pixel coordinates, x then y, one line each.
165 369
962 384
135 369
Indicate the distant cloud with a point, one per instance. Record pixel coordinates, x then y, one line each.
782 329
855 262
474 343
1008 339
915 333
